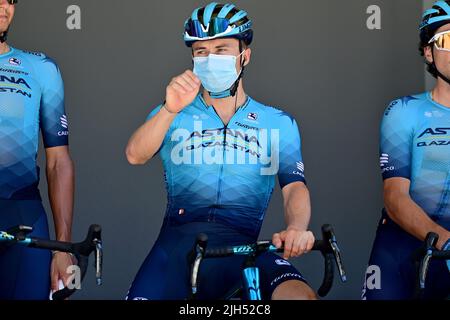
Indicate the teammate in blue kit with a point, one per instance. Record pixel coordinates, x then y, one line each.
221 151
32 99
415 162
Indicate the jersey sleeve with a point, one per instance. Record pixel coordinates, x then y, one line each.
53 119
292 168
396 138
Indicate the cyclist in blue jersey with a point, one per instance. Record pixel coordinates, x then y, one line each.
415 162
32 99
221 151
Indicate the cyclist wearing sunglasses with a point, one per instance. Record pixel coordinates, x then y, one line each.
214 144
31 99
415 162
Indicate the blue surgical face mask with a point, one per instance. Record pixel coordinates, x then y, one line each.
216 72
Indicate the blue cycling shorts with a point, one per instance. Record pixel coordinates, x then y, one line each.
391 274
165 273
24 272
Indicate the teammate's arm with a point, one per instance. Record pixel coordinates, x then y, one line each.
60 178
407 214
59 165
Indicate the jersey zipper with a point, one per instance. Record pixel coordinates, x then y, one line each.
219 187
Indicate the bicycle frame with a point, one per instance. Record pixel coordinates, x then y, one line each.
81 250
328 247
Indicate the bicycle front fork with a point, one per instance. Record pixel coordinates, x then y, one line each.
251 283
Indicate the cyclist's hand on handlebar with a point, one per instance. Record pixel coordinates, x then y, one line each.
60 263
181 91
296 242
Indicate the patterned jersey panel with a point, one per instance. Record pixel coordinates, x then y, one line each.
227 172
31 99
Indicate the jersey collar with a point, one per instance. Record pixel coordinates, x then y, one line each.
205 105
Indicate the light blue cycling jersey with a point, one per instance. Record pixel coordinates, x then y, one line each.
227 173
415 144
31 98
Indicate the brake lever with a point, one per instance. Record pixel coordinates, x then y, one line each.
328 235
338 258
98 261
424 265
430 243
199 251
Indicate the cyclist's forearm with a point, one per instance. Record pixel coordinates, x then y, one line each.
60 177
147 140
411 218
297 206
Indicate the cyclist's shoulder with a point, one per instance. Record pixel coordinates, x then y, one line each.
33 57
408 107
272 114
44 64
